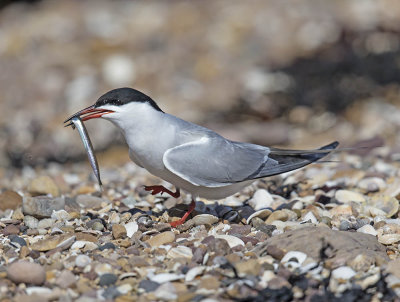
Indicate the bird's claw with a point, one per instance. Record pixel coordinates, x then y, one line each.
161 189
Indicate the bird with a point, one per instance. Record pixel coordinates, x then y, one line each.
189 156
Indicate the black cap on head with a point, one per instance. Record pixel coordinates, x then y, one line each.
122 96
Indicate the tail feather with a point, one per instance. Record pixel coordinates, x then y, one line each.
288 160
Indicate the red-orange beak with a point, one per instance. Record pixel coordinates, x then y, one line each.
88 113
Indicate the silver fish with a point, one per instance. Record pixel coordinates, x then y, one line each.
77 122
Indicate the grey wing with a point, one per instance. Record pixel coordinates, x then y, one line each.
217 162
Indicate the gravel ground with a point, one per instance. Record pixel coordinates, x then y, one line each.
329 231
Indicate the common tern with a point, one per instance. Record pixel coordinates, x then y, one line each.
191 157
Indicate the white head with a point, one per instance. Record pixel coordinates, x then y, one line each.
120 106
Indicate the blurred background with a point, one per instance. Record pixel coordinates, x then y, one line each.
283 73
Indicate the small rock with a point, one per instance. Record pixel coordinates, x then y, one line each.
262 214
119 70
362 262
266 228
368 229
249 267
11 230
388 239
239 230
108 279
41 206
17 240
161 239
131 228
60 215
46 223
148 285
166 292
310 217
346 196
89 201
66 279
166 277
118 231
24 251
106 246
389 205
343 273
82 261
26 272
114 218
52 242
180 252
43 185
194 272
393 267
277 215
209 282
275 252
344 225
204 219
17 214
372 184
232 240
10 200
344 209
97 226
261 199
31 222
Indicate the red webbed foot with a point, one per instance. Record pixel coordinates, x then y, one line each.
161 189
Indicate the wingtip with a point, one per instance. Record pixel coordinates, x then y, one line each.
330 146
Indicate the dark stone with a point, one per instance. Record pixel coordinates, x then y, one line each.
237 230
198 254
246 239
108 279
90 223
34 254
11 230
266 228
111 293
132 251
148 286
275 252
108 245
245 211
18 240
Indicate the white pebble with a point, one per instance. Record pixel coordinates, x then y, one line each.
60 215
310 217
261 199
119 70
368 229
343 273
82 260
347 196
131 228
232 240
166 277
194 272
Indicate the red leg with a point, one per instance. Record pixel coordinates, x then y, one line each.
161 189
192 205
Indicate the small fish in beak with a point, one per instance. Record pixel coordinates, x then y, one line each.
77 123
